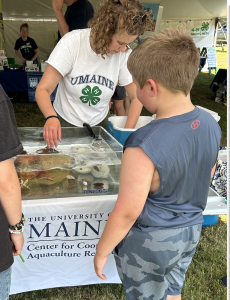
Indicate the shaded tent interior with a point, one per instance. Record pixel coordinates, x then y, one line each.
40 16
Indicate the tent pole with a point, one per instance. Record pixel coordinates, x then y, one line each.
159 16
2 37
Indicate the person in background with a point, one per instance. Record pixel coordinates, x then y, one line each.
27 46
77 15
88 64
118 99
11 217
166 167
121 101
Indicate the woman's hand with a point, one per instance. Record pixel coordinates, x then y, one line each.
23 60
99 264
52 131
18 242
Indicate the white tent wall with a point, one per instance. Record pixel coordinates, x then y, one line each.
43 32
176 13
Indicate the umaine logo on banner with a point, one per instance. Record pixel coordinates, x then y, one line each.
33 82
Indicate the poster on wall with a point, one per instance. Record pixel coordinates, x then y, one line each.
211 55
152 9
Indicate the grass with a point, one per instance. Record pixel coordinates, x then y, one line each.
209 264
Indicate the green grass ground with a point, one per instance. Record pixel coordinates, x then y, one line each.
210 261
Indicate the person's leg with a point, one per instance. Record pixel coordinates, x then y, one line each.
152 265
127 105
5 282
169 297
118 107
118 101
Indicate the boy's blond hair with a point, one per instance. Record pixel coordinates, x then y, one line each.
169 57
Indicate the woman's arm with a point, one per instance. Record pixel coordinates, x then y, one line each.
10 199
18 55
135 182
36 54
47 84
135 107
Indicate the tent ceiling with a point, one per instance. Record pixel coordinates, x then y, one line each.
173 9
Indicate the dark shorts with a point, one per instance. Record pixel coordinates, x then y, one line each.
119 93
152 265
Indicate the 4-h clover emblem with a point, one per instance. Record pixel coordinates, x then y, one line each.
205 26
91 97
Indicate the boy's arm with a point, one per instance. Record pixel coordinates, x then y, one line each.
135 180
135 107
10 199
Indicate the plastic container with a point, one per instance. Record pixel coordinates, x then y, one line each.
116 127
213 113
215 207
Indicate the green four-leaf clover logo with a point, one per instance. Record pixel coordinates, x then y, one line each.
205 26
91 97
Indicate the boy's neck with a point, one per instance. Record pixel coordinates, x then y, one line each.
173 104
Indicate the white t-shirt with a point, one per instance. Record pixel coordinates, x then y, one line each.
88 81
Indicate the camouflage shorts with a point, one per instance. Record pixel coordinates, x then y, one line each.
152 265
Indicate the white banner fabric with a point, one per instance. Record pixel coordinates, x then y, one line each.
201 31
61 236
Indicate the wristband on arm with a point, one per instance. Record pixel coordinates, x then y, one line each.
52 117
19 227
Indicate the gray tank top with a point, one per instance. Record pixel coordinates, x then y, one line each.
184 150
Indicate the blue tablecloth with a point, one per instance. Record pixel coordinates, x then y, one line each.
14 81
22 82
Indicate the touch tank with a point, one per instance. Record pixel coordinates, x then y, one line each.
81 165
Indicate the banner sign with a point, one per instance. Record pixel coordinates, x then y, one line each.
61 237
201 29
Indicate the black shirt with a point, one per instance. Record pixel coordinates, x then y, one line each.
10 146
78 15
26 47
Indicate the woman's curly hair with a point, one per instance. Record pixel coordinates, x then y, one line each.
114 17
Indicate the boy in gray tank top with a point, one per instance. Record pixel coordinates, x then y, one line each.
166 168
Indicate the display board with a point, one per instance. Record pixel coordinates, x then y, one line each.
211 56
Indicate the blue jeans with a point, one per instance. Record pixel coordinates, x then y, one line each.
5 281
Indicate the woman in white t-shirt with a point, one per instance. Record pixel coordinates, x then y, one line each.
88 64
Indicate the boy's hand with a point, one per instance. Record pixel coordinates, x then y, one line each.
18 241
99 264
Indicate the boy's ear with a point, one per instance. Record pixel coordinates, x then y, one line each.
152 85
